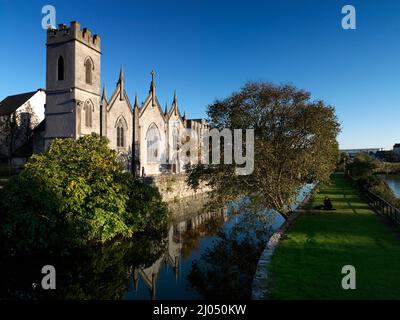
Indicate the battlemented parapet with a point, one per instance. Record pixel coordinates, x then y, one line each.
64 34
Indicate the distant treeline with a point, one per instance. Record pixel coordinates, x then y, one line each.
365 169
387 167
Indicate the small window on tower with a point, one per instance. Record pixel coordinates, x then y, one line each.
60 68
89 67
88 114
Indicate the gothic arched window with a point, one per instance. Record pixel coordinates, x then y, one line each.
175 137
88 70
88 113
153 144
60 68
121 126
175 143
120 137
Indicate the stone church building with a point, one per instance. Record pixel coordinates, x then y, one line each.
145 136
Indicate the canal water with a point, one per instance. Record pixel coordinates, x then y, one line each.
209 255
202 255
393 181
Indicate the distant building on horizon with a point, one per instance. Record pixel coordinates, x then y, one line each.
396 150
353 152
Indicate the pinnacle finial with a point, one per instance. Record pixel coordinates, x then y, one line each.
166 108
121 84
104 95
153 89
152 84
136 101
121 73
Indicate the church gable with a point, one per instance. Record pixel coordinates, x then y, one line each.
151 103
150 114
119 120
174 115
176 133
148 107
115 101
153 136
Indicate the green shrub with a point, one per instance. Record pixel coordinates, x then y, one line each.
378 186
362 166
75 194
145 208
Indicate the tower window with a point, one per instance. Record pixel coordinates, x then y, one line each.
60 68
88 114
88 70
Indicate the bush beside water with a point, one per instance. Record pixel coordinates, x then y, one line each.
76 193
363 169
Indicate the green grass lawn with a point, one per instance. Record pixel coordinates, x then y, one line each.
307 263
3 181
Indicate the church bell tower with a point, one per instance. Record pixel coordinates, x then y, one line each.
72 82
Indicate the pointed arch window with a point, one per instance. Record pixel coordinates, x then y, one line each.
60 68
121 126
174 160
88 113
153 144
175 137
175 143
89 66
120 137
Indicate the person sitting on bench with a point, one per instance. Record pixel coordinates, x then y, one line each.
326 206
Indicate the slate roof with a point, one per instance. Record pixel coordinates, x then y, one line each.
12 103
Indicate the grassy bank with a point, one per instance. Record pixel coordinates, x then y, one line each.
308 262
3 181
387 167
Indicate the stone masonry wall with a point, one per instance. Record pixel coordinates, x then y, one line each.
174 187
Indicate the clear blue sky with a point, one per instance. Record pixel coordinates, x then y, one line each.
208 49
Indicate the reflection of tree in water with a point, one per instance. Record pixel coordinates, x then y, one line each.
96 273
183 237
191 237
226 270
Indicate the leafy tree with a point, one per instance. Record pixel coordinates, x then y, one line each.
363 166
75 193
16 129
145 208
295 142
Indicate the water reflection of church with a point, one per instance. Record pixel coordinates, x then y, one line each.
173 253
